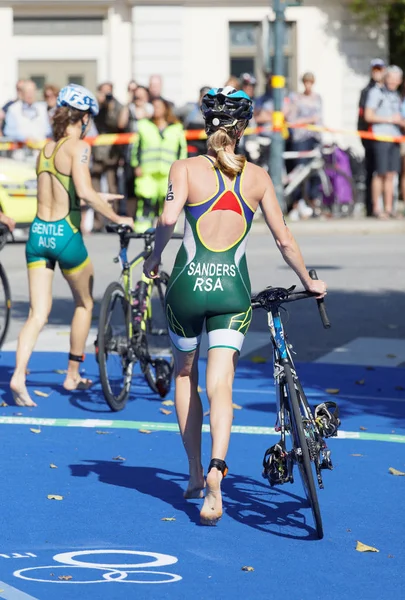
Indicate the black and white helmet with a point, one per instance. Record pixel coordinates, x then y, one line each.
226 107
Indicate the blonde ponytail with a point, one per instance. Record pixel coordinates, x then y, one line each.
230 164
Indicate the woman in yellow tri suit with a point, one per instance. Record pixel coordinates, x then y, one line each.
63 179
210 284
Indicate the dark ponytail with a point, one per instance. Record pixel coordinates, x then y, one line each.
63 117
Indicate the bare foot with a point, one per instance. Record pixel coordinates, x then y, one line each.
196 482
20 393
75 382
211 511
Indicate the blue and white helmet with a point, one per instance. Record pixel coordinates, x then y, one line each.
226 107
79 97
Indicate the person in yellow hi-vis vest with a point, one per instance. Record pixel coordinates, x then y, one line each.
161 141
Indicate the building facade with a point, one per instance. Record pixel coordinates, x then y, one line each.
189 42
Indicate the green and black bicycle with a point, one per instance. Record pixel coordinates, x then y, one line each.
132 326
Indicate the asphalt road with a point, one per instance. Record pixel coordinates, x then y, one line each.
363 266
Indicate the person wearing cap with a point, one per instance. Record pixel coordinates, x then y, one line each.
248 84
383 112
55 238
377 69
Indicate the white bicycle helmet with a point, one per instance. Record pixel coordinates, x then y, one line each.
79 97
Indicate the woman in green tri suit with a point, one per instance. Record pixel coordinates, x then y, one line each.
210 283
55 238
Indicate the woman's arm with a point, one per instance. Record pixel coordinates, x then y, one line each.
84 189
176 197
285 240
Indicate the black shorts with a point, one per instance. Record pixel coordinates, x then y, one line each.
387 157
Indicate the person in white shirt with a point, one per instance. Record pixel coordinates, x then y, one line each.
27 119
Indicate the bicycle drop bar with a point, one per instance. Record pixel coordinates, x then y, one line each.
278 296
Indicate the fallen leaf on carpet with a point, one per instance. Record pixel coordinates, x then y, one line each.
65 577
391 355
349 530
54 497
53 466
52 574
121 458
63 333
4 404
258 359
236 406
199 389
390 556
360 382
144 431
35 430
42 394
168 403
363 428
399 388
206 413
396 472
60 371
357 455
168 519
17 414
332 390
364 548
102 432
247 569
165 412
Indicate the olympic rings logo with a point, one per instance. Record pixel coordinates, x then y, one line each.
121 572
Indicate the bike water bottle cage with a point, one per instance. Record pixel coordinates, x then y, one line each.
327 418
76 358
217 463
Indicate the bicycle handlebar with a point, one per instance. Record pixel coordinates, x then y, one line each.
125 231
277 296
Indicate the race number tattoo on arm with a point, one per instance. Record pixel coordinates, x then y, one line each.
85 156
170 193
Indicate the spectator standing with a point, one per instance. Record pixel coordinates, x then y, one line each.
106 158
377 70
50 96
138 108
248 84
156 89
161 141
19 91
403 145
383 112
233 82
192 119
305 108
27 119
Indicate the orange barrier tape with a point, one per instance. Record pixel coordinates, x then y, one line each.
112 139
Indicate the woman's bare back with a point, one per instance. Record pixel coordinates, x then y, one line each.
221 228
53 200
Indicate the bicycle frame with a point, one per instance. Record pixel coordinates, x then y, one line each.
127 282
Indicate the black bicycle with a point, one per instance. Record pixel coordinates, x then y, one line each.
5 294
132 326
306 428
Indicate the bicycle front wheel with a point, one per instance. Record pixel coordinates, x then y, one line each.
5 305
114 353
302 451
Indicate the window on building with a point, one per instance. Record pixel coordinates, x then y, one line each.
247 52
58 25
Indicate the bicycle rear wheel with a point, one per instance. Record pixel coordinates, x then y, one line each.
303 457
158 340
113 347
5 305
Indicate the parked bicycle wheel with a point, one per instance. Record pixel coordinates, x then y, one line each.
114 354
300 445
5 305
159 347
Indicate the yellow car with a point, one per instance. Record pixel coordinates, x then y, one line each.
18 191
